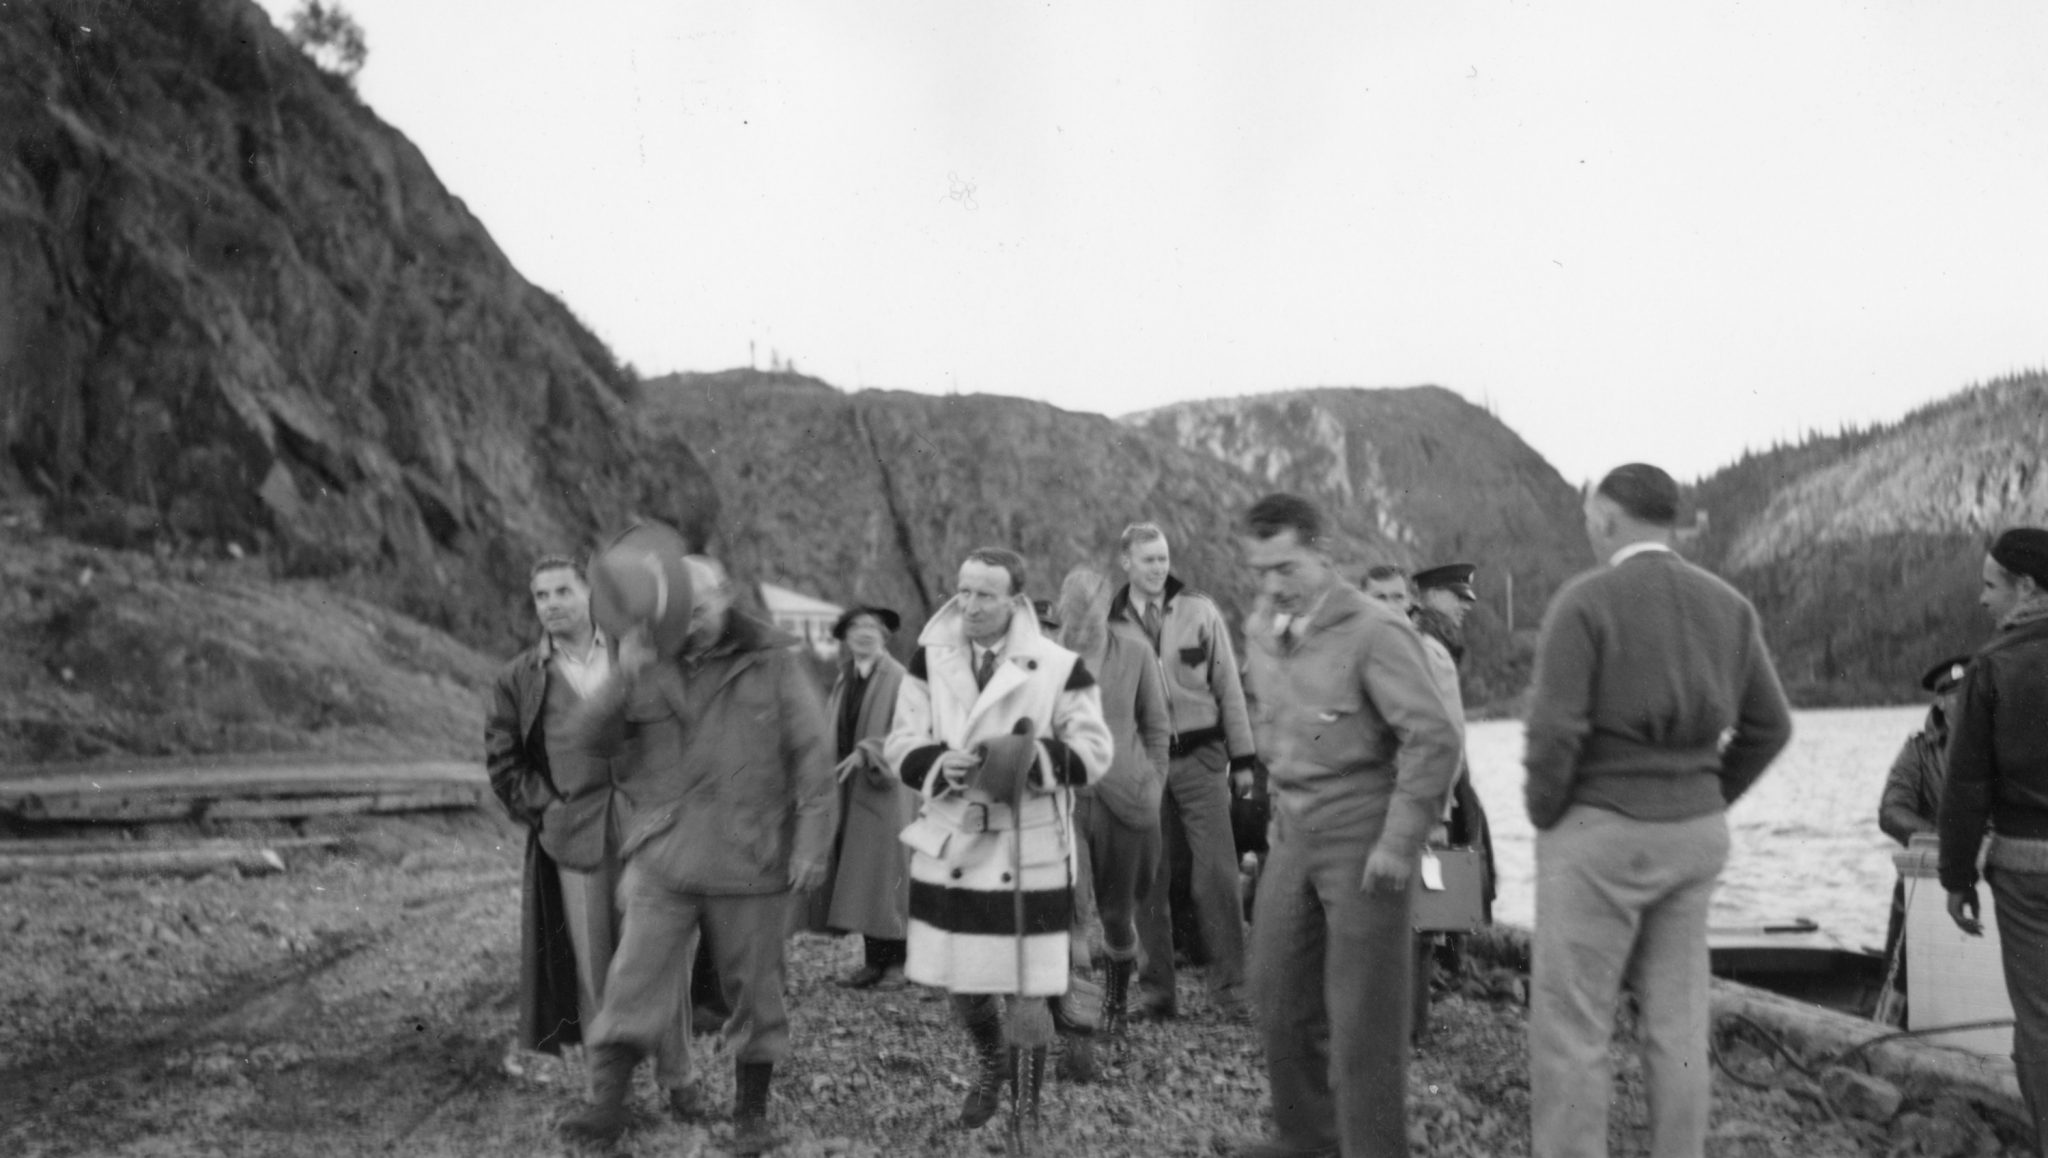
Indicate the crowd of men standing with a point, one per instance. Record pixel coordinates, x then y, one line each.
1002 810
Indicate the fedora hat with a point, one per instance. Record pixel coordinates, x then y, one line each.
639 579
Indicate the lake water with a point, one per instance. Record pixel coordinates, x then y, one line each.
1805 837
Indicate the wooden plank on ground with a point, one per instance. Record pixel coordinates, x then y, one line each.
65 845
239 791
145 860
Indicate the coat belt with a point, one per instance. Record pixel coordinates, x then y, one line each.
974 816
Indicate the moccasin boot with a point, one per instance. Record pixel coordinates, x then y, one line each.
611 1076
993 1066
750 1132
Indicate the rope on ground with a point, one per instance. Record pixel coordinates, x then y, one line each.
1924 1031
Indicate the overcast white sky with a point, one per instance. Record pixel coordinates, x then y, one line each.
1640 231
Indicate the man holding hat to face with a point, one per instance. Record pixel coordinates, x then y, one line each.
869 890
723 750
1998 780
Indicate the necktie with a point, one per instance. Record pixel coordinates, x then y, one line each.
1152 623
985 669
1289 636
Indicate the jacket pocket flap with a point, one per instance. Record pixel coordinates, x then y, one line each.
927 836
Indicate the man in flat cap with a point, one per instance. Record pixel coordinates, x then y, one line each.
1912 800
1998 778
1642 667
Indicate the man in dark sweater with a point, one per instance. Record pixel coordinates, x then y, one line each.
1642 667
1998 792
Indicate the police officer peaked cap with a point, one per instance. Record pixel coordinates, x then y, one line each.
1453 577
1945 675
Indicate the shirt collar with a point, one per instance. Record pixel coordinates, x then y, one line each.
1633 549
598 643
865 667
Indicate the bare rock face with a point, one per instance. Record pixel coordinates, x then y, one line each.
1421 472
1418 476
876 496
236 308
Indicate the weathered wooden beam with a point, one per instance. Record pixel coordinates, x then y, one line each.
64 845
239 792
145 860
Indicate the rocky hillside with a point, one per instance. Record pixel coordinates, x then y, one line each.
1861 549
876 495
240 315
1425 476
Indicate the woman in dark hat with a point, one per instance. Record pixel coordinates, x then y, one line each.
1998 783
869 889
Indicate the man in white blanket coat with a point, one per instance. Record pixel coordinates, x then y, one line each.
981 667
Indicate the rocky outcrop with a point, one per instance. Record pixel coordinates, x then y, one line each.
875 496
1420 476
238 312
1862 549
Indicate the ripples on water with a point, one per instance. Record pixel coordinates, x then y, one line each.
1805 837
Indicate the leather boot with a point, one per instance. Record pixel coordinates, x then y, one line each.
750 1132
992 1063
611 1077
1116 995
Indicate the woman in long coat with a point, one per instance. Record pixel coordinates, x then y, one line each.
869 890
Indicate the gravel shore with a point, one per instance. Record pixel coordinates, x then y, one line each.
363 1002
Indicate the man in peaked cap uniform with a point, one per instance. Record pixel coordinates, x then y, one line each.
1912 801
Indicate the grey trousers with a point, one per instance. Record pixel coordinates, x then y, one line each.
1620 899
650 974
2021 904
1330 966
1198 800
593 909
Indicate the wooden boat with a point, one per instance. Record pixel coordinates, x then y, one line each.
1800 960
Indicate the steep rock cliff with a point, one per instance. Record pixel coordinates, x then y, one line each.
1421 477
875 496
238 309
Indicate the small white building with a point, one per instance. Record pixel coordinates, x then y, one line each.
806 618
